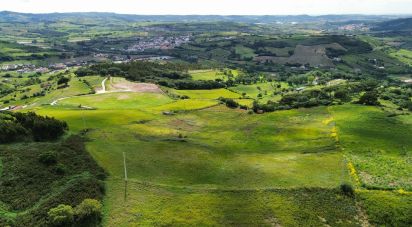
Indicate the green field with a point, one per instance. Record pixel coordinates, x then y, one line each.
197 158
211 74
239 123
244 52
118 100
380 155
206 94
403 55
220 166
182 157
265 89
206 75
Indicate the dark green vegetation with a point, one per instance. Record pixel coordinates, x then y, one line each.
387 208
221 121
36 176
169 75
29 126
399 25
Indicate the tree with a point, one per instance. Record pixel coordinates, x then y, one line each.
341 94
63 80
48 157
62 215
347 189
229 102
369 98
88 212
114 71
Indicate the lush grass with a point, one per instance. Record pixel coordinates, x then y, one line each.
387 208
218 166
245 102
379 146
266 90
403 55
163 156
75 87
207 75
244 52
185 105
94 119
118 100
265 149
150 205
94 81
212 74
207 94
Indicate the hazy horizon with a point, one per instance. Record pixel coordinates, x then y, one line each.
224 15
214 7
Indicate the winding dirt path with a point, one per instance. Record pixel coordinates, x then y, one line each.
103 87
125 86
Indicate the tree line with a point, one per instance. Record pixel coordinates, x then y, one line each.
29 126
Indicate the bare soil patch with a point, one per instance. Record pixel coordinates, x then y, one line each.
136 87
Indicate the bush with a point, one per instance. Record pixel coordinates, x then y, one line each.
88 212
60 169
48 158
11 131
347 189
229 102
369 98
41 128
62 215
63 80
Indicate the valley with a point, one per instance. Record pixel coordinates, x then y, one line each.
241 125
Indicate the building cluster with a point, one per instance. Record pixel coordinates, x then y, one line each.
161 42
354 27
31 68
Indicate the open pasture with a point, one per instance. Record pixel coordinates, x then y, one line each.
152 205
117 100
265 89
206 94
403 55
379 146
207 75
167 149
207 154
210 162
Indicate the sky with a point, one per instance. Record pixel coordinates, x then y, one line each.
215 7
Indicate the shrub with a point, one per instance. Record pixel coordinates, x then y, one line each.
62 215
10 131
48 158
41 128
89 211
60 169
229 102
347 189
63 80
369 98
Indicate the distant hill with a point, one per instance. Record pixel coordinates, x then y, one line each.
7 16
404 24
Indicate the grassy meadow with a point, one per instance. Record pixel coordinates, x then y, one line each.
379 146
403 55
210 165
